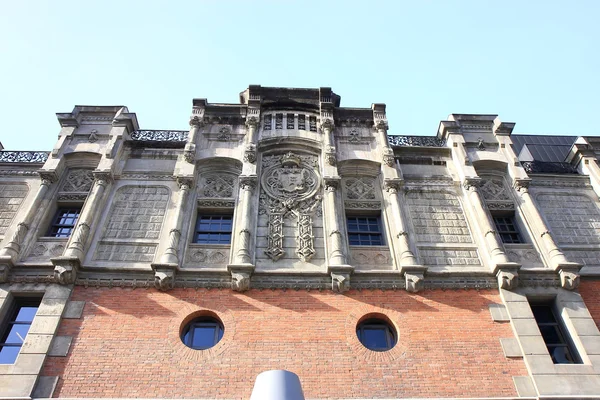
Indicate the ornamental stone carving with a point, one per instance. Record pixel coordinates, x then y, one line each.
218 185
508 279
289 186
495 194
362 188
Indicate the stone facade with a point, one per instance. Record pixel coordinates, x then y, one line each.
284 173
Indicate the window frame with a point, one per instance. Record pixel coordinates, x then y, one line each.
566 341
508 220
199 323
56 218
377 324
196 232
10 320
380 230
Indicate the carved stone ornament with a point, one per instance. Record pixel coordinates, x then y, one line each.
218 185
65 269
250 153
327 124
189 153
569 280
381 125
164 279
508 279
340 282
195 121
252 122
78 180
330 156
224 134
240 281
48 177
93 136
414 281
388 157
290 186
392 185
354 136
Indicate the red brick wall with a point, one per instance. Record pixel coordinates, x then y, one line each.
590 291
127 344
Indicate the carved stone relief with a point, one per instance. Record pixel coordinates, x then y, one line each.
496 194
78 181
371 259
526 256
217 185
48 249
208 256
361 193
289 186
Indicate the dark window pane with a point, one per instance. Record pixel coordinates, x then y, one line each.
543 313
375 338
8 354
561 355
550 334
204 337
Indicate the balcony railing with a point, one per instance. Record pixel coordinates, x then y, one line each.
542 167
160 136
7 156
416 141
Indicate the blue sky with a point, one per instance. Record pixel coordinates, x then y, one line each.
535 63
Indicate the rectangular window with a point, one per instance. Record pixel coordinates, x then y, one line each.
364 231
290 122
301 122
64 222
213 229
554 334
507 229
278 121
267 122
313 123
19 321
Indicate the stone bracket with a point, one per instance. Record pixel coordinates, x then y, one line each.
6 264
65 269
414 277
240 276
164 276
569 275
340 277
508 275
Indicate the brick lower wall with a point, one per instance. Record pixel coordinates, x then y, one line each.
127 344
590 291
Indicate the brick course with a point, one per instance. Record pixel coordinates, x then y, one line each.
590 291
127 345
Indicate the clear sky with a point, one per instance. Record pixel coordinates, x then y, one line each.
535 63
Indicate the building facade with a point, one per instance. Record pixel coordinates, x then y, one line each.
288 232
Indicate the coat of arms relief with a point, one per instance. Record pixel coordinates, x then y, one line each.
289 187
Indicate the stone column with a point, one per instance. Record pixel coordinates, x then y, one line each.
189 153
494 244
9 253
567 270
242 251
250 146
406 256
170 255
387 153
329 152
338 247
90 209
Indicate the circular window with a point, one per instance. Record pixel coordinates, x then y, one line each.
376 334
202 333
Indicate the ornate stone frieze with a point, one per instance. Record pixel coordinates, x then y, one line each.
207 256
78 181
216 203
46 249
289 185
217 185
362 205
496 194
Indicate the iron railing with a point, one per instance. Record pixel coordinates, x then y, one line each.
7 156
416 141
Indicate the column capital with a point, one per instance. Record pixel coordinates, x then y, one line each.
331 183
251 122
392 185
522 185
48 177
472 184
103 177
196 121
185 182
327 124
381 124
248 182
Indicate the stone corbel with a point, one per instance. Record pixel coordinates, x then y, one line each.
250 153
569 276
5 267
340 277
164 276
388 156
65 269
240 276
508 278
414 277
330 156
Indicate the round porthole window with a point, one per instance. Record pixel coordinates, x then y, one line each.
376 334
202 333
